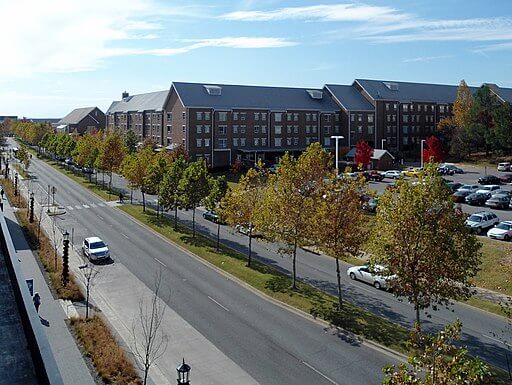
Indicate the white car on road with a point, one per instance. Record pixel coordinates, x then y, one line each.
95 249
365 274
469 187
502 230
392 174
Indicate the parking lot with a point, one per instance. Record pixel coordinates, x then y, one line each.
470 176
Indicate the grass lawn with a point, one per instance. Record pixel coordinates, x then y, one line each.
97 189
496 273
20 170
277 285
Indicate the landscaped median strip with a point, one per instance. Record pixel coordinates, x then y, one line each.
277 285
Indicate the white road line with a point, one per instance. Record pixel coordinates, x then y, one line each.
101 205
124 235
70 208
222 306
85 206
78 207
93 205
99 216
319 372
492 338
160 262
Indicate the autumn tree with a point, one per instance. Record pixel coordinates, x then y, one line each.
291 200
438 360
169 192
218 189
130 141
23 156
159 164
340 224
86 151
111 154
135 169
241 203
421 239
433 151
364 154
194 187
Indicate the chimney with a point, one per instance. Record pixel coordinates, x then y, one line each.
125 95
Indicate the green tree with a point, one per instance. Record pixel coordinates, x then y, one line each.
501 136
194 187
130 141
482 118
218 190
438 360
135 169
291 200
169 192
340 224
24 156
160 163
111 154
420 237
86 151
241 204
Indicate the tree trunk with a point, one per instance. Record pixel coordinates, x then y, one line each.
194 222
87 303
294 278
338 276
144 201
175 217
249 253
417 308
218 236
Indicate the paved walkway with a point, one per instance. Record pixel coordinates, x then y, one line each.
70 362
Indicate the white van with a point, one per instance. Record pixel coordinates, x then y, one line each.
505 166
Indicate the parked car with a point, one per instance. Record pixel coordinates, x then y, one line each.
273 169
392 174
95 249
371 205
454 186
87 170
478 222
460 195
506 193
211 216
469 187
373 175
373 277
498 201
413 171
491 188
489 179
443 170
452 167
477 198
506 178
502 230
504 166
245 231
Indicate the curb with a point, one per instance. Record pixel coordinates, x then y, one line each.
283 305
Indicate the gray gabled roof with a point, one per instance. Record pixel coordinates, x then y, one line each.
253 97
504 94
406 92
377 154
76 116
349 98
151 101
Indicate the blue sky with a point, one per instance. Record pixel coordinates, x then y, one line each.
61 54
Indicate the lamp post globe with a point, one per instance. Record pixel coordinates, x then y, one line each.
183 370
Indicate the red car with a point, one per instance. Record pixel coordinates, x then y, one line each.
373 175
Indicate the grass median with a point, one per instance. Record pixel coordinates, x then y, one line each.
277 285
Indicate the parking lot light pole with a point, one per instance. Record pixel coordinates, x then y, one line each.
422 141
337 138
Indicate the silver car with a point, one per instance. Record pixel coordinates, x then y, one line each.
365 274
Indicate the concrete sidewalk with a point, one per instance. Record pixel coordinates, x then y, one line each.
69 360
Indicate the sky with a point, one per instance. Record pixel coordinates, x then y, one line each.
57 55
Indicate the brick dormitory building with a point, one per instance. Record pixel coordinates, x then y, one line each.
222 123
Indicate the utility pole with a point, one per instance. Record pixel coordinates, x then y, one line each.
65 259
31 219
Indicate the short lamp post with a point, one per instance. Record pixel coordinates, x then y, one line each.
15 184
65 259
6 168
422 144
337 138
183 373
31 218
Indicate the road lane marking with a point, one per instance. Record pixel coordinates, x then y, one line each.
219 304
160 262
319 372
492 338
124 235
86 207
93 205
101 205
78 207
99 216
70 208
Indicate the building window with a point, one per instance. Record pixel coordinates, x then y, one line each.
263 141
370 118
288 141
207 115
222 130
206 129
313 129
198 142
184 115
277 142
405 140
199 116
242 129
242 142
295 141
222 143
199 129
308 141
235 142
256 129
359 129
359 118
183 128
336 117
235 129
308 117
289 117
235 115
183 142
169 129
223 116
327 142
352 117
405 107
263 116
327 130
313 117
370 130
256 141
387 106
405 129
327 118
308 129
278 116
295 117
169 116
243 115
295 129
207 142
277 130
337 129
256 116
263 129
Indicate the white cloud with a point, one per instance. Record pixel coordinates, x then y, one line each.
426 58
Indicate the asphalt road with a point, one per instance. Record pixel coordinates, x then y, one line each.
273 345
481 330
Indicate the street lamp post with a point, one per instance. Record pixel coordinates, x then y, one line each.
337 138
183 373
15 184
382 143
422 141
31 218
65 259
